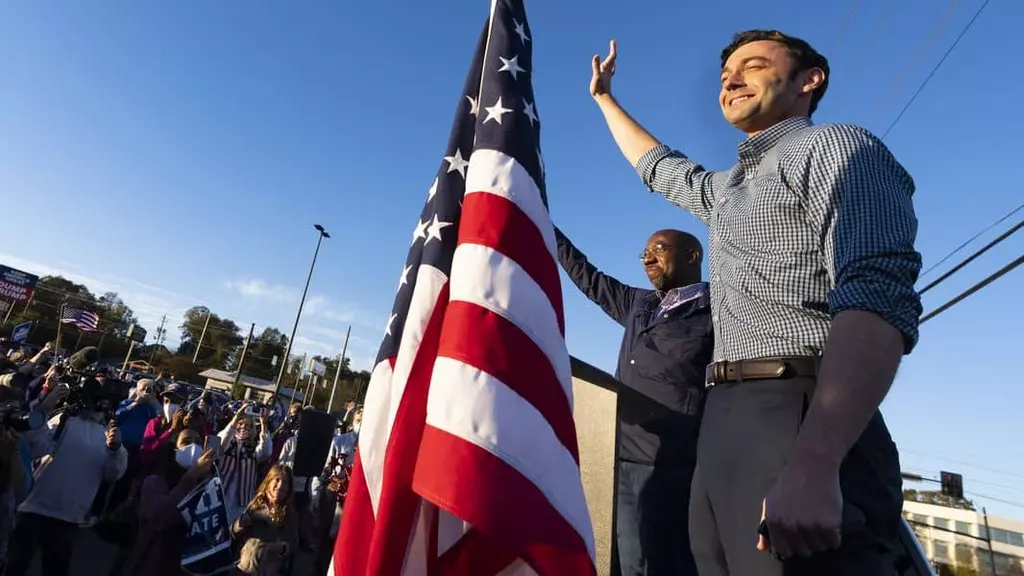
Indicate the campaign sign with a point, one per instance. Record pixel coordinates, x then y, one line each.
16 285
207 547
20 332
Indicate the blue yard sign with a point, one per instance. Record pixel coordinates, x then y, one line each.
20 333
207 547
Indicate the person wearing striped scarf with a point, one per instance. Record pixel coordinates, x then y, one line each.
243 448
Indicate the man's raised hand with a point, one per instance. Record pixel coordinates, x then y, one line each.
603 70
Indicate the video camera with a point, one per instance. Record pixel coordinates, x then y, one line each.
13 417
86 392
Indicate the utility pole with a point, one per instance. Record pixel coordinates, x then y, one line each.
159 338
195 357
127 358
245 350
988 539
341 363
10 308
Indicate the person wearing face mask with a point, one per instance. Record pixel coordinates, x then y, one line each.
132 416
161 429
243 449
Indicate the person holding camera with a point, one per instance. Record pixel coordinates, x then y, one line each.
243 449
78 452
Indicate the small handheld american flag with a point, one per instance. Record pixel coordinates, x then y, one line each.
82 319
467 461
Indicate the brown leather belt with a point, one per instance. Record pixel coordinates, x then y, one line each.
762 369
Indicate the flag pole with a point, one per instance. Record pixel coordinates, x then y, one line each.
60 324
487 49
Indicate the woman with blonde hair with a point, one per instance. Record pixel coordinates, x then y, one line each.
268 529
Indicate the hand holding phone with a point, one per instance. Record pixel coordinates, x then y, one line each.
212 443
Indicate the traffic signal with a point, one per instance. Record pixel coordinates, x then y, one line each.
952 485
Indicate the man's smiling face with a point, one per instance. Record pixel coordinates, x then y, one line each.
759 87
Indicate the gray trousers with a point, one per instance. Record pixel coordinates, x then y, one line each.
745 437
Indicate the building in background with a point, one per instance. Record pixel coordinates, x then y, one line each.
256 389
937 529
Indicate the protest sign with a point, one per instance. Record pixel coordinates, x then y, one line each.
207 548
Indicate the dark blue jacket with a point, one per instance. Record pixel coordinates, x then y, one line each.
662 363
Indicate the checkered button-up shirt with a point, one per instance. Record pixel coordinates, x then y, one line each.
811 221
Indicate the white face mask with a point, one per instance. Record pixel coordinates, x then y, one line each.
186 457
169 410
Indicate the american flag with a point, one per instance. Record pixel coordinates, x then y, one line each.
467 462
82 319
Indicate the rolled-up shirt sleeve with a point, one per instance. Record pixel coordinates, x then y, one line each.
679 179
860 201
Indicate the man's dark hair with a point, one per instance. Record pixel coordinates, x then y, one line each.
805 56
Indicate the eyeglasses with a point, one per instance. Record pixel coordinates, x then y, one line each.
657 248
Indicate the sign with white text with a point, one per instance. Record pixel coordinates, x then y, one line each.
16 285
207 547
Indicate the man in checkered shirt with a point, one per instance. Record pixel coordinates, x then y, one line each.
813 303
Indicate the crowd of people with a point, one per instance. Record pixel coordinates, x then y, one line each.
82 448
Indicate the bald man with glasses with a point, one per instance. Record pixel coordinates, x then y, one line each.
667 345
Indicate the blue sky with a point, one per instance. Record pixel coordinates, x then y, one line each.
179 154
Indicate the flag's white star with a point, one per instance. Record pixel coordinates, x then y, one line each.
405 276
474 106
432 191
495 112
420 231
530 112
434 230
456 163
391 320
521 31
511 66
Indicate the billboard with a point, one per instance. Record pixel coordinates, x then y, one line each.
16 285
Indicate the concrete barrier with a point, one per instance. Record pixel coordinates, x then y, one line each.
594 393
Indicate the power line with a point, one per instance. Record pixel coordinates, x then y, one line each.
972 257
972 239
963 295
845 25
1016 489
923 48
867 47
994 499
935 69
964 463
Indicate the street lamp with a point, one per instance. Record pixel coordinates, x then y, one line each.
321 234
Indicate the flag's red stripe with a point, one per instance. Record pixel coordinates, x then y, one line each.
478 337
493 221
475 553
496 499
352 546
398 505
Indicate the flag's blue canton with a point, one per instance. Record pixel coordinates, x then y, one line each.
508 75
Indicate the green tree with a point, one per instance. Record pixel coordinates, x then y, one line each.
937 498
115 315
220 343
44 312
259 362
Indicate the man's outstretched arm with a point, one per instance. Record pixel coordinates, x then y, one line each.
682 181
